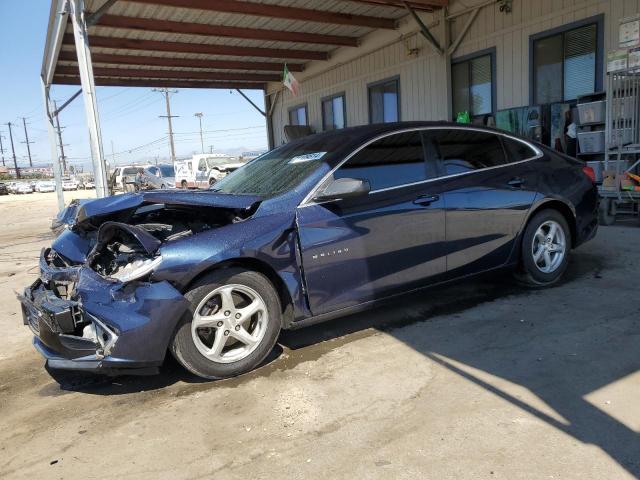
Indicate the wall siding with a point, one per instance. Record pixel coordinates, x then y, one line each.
422 81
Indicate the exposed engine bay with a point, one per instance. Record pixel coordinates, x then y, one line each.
129 241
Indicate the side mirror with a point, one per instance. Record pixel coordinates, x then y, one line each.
343 188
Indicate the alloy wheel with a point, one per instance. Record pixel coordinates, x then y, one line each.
229 323
549 246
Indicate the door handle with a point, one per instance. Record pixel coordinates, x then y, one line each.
516 182
426 200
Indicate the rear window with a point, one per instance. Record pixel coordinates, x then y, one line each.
517 150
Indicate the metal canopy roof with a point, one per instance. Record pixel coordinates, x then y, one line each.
212 43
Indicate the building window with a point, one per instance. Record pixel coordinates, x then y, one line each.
566 62
473 84
334 112
298 115
384 101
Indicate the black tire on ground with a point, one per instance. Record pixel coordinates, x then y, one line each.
528 272
212 181
183 184
607 212
182 345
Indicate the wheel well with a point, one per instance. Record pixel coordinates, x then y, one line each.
566 213
286 302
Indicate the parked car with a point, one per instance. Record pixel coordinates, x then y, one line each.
117 176
70 184
159 176
12 186
45 186
89 185
203 170
24 187
4 190
323 226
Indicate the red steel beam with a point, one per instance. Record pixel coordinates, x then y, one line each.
170 74
152 83
97 57
428 5
185 47
168 26
277 11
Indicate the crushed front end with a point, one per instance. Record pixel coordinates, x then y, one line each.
99 304
82 321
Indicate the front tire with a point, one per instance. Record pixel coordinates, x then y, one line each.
546 244
232 325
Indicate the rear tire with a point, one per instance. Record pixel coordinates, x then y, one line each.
232 325
546 244
183 184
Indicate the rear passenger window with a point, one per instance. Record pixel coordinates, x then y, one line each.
389 162
464 151
517 150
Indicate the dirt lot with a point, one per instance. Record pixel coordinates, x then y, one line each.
480 380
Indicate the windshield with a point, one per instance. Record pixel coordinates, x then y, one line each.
212 162
280 170
167 170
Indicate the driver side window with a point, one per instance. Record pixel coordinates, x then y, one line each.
202 165
390 162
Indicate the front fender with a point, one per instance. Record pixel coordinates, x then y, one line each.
270 240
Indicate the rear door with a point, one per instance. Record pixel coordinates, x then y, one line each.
489 187
364 248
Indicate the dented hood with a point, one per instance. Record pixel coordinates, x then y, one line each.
130 201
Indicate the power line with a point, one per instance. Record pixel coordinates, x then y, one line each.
166 92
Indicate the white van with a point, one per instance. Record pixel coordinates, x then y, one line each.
203 170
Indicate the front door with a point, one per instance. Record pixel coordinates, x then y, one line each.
364 248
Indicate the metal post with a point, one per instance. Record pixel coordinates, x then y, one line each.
81 37
2 149
63 157
13 151
26 140
199 115
57 174
166 92
446 60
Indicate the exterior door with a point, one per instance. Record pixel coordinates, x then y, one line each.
364 248
487 191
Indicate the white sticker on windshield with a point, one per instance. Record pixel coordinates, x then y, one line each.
307 157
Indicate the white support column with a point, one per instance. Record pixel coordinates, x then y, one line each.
85 66
55 159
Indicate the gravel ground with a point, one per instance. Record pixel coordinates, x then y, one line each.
478 380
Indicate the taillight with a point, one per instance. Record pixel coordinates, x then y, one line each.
589 172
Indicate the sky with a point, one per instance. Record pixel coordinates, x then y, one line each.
131 127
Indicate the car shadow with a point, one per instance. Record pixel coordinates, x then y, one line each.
560 353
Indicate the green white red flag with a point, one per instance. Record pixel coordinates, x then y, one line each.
290 81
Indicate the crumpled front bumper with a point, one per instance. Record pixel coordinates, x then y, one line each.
108 327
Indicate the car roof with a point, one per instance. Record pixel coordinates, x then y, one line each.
352 137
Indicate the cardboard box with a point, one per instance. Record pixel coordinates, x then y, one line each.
609 180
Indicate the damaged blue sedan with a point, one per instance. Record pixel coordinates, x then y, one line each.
321 227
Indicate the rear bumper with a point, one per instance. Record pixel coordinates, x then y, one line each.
108 327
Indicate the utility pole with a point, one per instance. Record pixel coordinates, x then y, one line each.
26 140
2 149
210 148
199 115
13 150
166 92
63 158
